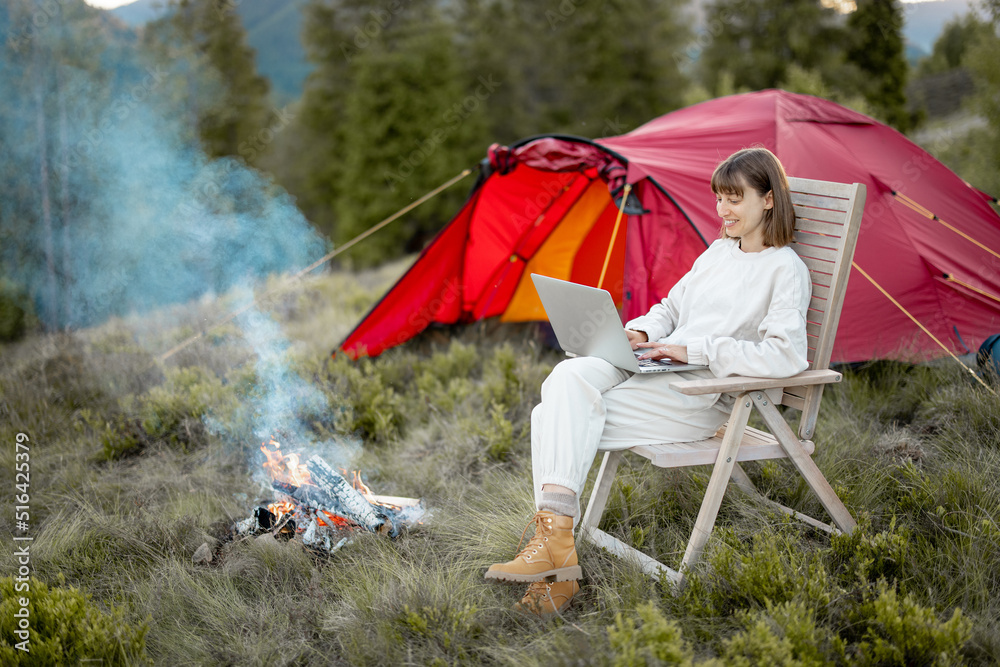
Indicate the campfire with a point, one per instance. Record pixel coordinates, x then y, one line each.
318 505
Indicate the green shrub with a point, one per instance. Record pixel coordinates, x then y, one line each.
15 311
65 628
501 381
774 570
364 403
889 391
783 634
869 556
653 641
172 413
498 433
902 632
441 632
460 361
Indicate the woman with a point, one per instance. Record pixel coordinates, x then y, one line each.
740 310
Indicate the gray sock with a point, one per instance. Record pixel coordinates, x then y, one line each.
566 504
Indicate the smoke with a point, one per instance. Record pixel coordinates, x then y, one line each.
112 208
156 222
284 399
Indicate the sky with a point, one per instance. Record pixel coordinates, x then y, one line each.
108 4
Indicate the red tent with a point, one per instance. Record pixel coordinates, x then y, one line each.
548 205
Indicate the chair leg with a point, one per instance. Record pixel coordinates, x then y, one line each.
743 481
602 489
721 473
804 463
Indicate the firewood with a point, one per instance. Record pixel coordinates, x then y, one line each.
396 501
353 504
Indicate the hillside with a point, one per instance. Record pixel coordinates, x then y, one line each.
136 462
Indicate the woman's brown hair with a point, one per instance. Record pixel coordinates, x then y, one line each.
761 170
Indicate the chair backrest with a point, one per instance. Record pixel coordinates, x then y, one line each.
827 221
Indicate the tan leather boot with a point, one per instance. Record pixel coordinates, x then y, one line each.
544 598
550 554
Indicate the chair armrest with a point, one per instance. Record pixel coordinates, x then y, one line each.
738 383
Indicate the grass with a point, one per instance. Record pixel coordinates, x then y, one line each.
136 462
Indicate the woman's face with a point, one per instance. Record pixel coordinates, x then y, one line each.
743 215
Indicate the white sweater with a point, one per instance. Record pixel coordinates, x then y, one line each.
738 313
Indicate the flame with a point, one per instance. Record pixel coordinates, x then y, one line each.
283 468
286 468
325 518
281 508
360 486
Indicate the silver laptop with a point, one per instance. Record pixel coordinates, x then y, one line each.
586 323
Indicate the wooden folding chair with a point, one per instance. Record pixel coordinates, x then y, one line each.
827 219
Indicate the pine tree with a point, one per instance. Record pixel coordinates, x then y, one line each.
755 41
580 68
953 43
619 69
228 98
877 51
503 40
49 67
409 127
309 152
983 157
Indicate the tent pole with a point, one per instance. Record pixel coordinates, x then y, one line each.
614 234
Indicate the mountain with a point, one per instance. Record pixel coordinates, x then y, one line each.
925 20
141 12
273 28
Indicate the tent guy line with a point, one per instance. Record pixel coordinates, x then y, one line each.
952 279
932 216
319 262
922 327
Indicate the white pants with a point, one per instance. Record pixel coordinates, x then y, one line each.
590 405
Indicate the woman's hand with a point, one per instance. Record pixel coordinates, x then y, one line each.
636 337
664 351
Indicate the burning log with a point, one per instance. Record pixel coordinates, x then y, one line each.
265 519
353 505
262 519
